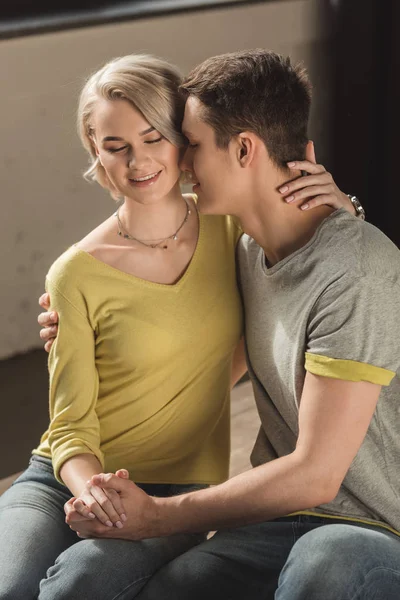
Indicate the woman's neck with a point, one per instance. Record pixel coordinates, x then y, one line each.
154 220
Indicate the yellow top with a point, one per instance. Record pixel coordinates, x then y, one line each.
140 371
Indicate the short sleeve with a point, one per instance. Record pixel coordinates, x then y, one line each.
74 426
354 331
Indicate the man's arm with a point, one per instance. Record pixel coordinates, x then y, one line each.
334 417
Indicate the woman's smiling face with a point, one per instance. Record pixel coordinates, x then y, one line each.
140 163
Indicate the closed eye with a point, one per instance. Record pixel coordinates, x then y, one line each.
153 141
114 150
188 143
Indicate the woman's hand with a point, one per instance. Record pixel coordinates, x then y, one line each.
49 322
77 511
315 189
142 510
96 502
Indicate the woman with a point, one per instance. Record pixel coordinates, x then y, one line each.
141 368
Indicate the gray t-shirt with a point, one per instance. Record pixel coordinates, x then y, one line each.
332 308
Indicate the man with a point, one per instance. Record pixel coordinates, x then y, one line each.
318 517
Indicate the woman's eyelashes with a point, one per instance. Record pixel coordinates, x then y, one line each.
121 148
114 150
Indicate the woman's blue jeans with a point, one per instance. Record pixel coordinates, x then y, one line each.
293 558
41 558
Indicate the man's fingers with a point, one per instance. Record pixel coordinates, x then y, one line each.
47 319
48 333
68 506
72 515
109 480
122 473
44 301
48 345
80 507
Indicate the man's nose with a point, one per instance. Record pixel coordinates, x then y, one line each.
186 162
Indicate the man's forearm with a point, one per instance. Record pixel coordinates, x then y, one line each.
276 489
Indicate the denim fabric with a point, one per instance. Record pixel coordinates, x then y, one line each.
41 558
292 558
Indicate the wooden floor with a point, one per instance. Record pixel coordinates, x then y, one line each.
245 424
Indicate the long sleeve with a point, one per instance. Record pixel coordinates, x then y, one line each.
125 383
74 426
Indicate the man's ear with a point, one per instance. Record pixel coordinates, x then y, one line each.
246 148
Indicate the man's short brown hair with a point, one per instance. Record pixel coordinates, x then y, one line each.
258 91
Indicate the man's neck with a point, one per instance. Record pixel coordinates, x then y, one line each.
281 228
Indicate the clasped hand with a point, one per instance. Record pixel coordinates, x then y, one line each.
100 509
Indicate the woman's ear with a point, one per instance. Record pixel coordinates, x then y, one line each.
94 144
95 147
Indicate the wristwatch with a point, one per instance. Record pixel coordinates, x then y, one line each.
360 212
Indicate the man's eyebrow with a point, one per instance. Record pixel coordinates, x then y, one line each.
187 133
113 138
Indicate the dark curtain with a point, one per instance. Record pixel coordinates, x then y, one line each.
366 127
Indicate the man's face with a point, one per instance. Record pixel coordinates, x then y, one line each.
212 168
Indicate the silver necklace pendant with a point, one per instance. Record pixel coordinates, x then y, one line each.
123 233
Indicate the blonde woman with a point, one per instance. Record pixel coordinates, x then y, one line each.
140 372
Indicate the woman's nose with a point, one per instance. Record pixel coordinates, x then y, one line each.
137 159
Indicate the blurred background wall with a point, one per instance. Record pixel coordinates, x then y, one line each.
47 205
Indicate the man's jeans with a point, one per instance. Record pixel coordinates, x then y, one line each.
293 558
38 550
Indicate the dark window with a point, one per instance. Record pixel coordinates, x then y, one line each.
23 17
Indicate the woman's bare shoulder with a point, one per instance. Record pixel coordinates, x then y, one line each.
99 237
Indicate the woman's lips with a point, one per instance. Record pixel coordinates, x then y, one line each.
146 182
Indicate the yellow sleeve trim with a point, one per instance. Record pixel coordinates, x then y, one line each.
349 370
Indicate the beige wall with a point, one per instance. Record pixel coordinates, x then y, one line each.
46 205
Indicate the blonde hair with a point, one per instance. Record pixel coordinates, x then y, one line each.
150 84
